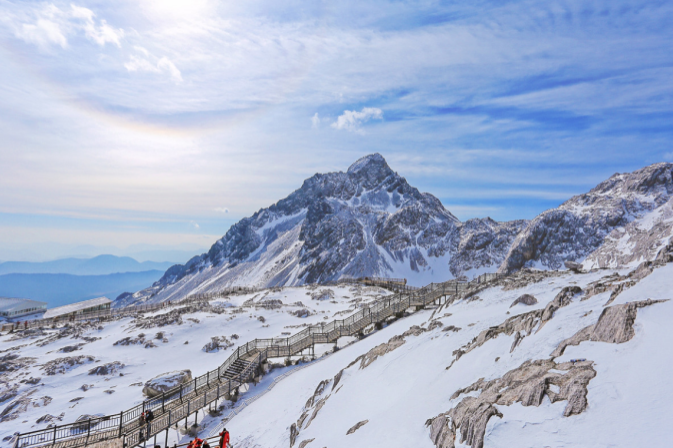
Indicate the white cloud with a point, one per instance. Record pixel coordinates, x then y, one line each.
221 209
101 34
351 120
149 63
315 121
43 33
52 25
195 225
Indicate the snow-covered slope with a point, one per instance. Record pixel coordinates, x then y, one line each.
367 221
621 222
45 375
491 375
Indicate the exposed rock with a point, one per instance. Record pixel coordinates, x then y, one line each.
8 392
561 300
381 349
216 344
615 325
48 418
451 328
11 362
526 299
527 384
305 442
109 391
62 365
166 381
107 369
130 341
293 434
301 313
312 407
572 266
521 324
357 426
71 348
16 407
323 294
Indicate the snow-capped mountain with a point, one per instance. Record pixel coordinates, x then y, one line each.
622 221
367 221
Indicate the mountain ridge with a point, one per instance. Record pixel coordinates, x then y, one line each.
368 221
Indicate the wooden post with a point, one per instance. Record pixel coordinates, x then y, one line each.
121 420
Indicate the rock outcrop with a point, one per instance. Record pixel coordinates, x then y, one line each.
109 368
525 299
615 326
581 225
357 426
528 384
166 381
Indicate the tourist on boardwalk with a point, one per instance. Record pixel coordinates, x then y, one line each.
224 439
149 416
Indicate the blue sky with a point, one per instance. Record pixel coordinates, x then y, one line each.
162 122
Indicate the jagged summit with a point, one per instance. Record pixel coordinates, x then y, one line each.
367 221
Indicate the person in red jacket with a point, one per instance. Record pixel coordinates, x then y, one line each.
224 439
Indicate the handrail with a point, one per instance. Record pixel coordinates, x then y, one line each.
125 424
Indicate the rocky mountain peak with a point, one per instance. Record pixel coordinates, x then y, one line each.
372 172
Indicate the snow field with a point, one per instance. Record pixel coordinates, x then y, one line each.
629 401
142 364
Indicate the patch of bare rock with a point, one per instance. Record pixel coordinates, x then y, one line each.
528 384
107 369
62 365
525 299
387 347
357 426
615 325
216 344
166 381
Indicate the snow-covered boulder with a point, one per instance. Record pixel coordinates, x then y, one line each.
166 381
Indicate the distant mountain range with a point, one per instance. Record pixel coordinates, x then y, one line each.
62 289
69 280
100 265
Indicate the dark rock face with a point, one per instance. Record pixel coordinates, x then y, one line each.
367 221
581 225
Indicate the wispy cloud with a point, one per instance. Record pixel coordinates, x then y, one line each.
222 210
146 62
50 25
315 121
